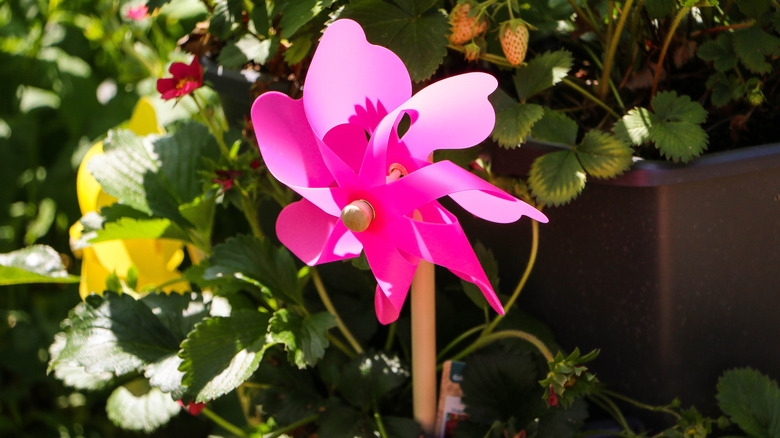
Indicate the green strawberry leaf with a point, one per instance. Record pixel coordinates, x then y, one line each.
128 228
73 374
673 128
222 353
555 127
33 264
513 125
237 53
369 377
258 262
542 72
114 334
497 387
753 8
725 88
668 106
720 52
679 141
292 393
603 155
152 174
417 33
227 13
751 400
138 406
304 339
752 45
297 13
556 178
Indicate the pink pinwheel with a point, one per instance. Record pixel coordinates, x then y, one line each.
339 148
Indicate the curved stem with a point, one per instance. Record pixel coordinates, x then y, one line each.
380 425
484 341
669 35
329 305
228 426
580 13
216 130
523 280
250 213
639 404
391 335
458 340
614 39
292 426
590 97
341 346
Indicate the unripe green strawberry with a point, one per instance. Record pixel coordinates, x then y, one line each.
473 49
755 97
463 27
513 35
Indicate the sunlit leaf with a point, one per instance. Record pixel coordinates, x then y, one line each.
542 72
556 177
304 338
513 125
138 406
34 264
603 155
222 353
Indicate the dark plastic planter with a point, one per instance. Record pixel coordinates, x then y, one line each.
672 271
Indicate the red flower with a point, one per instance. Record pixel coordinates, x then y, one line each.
225 178
137 13
553 399
186 78
192 407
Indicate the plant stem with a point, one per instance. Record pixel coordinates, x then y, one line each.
217 131
520 284
329 305
505 334
590 97
639 404
609 58
341 346
682 13
458 340
250 213
292 426
379 424
391 335
580 13
228 426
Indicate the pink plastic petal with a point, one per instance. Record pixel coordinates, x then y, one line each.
314 236
446 245
350 80
444 178
349 143
394 273
453 113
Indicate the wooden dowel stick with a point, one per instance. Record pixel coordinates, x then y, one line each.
424 346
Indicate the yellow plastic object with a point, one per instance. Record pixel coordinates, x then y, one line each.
156 260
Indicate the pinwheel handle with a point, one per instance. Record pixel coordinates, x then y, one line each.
357 216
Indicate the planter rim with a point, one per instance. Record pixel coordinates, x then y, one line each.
652 173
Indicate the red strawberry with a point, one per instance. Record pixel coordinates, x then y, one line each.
464 28
513 35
